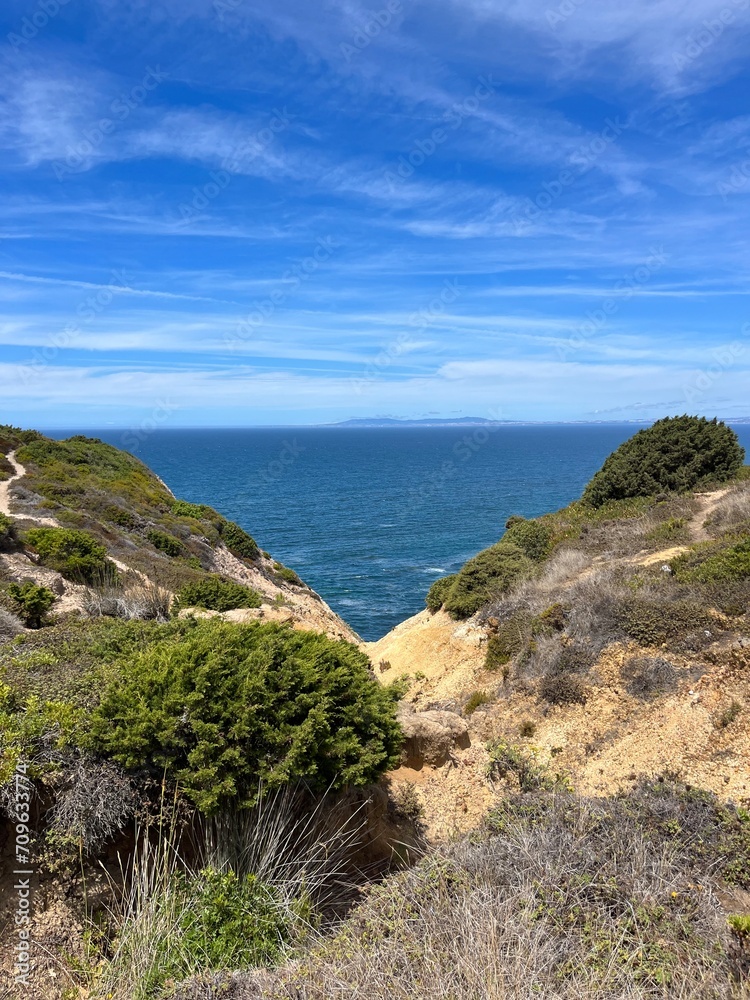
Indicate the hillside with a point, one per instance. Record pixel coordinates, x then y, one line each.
628 650
539 786
158 544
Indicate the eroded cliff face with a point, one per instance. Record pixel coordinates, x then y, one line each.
676 703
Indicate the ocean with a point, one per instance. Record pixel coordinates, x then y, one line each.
370 517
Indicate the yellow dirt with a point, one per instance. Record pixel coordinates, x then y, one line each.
604 745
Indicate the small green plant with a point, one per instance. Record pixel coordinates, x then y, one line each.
730 563
214 593
75 554
511 638
167 544
438 592
527 729
286 574
506 759
475 701
552 619
199 511
7 533
727 716
31 602
238 541
653 623
671 530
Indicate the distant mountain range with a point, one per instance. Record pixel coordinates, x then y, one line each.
484 421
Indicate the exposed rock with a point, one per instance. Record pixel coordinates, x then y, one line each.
431 737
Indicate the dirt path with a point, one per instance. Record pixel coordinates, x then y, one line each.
708 502
5 497
5 486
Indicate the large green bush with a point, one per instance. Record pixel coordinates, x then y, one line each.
214 593
438 592
231 706
532 537
675 454
75 554
488 576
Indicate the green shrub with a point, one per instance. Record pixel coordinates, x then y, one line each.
488 576
675 454
214 593
74 554
674 529
533 538
31 602
653 623
167 544
225 923
199 511
231 706
238 542
727 716
510 639
475 700
7 533
438 592
552 619
286 574
119 516
728 564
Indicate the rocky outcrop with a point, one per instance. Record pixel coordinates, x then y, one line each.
431 737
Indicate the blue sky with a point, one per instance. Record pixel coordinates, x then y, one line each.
237 213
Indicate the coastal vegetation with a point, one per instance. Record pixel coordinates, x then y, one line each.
210 789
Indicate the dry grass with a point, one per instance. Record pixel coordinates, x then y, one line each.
566 898
144 601
732 512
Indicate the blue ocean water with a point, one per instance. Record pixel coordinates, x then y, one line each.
370 517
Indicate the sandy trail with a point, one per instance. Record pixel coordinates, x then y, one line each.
5 497
707 504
